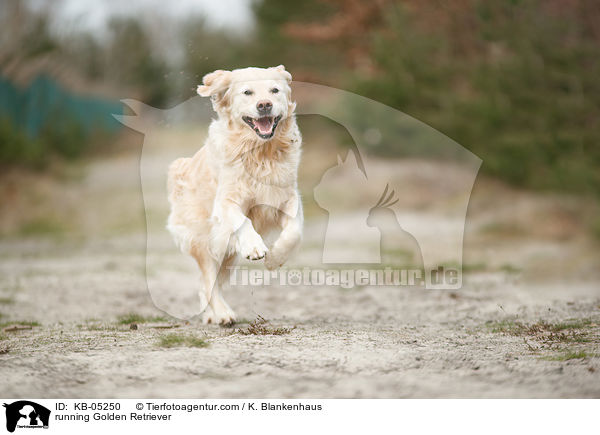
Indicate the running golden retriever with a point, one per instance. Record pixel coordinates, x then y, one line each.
242 183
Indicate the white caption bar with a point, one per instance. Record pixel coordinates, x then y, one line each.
248 416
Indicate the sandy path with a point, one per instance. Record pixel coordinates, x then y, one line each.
361 342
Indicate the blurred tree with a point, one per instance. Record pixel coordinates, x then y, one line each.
86 54
42 114
274 44
515 82
25 34
206 50
131 60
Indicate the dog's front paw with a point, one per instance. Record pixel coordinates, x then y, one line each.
273 261
224 317
252 247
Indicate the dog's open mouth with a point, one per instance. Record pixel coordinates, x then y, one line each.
264 127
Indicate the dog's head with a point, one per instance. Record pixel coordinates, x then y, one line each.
255 98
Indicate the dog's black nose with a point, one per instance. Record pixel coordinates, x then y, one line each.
264 106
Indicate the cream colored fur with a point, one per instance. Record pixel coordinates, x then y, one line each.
238 186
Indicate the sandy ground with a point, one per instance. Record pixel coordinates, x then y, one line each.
525 324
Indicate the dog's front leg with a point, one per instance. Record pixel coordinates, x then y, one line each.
231 229
291 233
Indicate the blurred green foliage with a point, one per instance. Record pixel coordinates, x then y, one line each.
132 61
66 138
17 147
206 50
516 82
46 120
526 99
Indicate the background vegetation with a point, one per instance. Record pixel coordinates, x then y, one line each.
516 82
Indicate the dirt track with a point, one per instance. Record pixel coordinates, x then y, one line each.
525 324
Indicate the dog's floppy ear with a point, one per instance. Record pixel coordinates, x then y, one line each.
283 71
215 84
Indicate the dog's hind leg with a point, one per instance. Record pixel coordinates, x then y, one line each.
222 276
215 308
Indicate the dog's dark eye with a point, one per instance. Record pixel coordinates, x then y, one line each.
248 92
274 90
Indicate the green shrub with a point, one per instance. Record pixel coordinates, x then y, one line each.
523 95
60 136
17 147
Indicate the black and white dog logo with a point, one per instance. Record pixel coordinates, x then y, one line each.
26 414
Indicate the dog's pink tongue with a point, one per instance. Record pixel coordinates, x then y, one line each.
264 124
